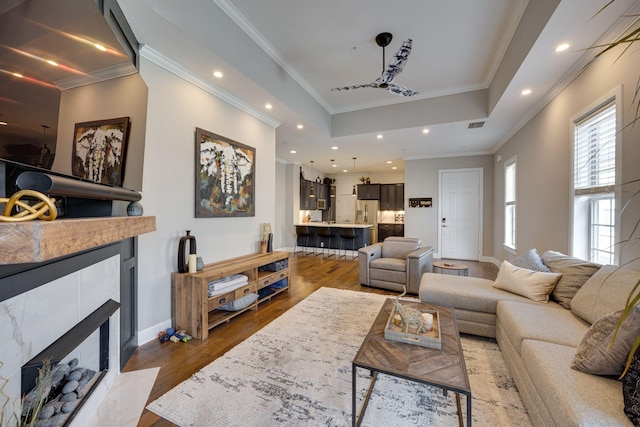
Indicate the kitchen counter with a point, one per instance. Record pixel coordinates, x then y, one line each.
363 235
336 225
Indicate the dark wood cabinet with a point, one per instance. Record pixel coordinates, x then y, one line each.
392 197
386 230
369 192
307 202
321 191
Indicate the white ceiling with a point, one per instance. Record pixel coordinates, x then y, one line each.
470 61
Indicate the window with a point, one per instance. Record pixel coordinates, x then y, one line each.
510 203
594 180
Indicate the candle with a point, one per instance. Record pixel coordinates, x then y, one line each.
427 321
193 261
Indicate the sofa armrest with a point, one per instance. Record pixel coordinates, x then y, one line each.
419 262
365 256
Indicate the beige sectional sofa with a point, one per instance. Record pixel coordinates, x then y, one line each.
539 340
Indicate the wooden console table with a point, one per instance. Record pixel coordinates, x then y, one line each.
193 310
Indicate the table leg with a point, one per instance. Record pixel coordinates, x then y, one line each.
460 410
355 418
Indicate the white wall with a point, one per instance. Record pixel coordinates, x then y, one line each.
543 147
175 109
421 180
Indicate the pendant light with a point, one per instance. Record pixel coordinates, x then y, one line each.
332 185
312 193
353 193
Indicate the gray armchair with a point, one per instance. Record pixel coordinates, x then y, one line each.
395 263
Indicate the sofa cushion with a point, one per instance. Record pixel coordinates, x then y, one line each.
394 264
462 292
605 292
392 248
575 273
544 322
530 260
534 285
575 398
598 353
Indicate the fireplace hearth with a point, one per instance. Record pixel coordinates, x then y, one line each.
78 361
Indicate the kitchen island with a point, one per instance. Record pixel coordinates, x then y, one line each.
362 231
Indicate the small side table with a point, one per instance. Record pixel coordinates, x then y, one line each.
453 268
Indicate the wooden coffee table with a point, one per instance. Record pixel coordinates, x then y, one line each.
444 368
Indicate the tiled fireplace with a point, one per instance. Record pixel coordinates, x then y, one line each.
31 321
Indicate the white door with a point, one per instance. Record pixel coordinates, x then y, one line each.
460 213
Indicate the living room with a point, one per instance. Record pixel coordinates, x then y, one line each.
178 102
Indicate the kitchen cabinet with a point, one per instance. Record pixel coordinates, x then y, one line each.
392 197
320 190
306 202
386 230
369 192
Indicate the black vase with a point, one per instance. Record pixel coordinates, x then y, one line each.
270 243
182 257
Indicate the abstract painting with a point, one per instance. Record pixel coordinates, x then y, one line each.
99 149
225 177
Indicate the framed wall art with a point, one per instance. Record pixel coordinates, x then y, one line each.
225 177
99 149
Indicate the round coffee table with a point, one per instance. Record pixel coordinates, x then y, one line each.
454 268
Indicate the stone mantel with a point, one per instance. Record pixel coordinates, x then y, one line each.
38 241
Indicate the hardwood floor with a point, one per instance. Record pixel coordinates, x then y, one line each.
177 361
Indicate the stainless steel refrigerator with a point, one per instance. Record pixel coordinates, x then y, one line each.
367 213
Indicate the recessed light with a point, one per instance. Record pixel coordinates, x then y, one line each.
334 147
52 62
379 136
3 124
300 126
100 47
425 131
334 165
562 47
526 92
394 167
389 162
218 74
18 75
268 106
344 170
293 151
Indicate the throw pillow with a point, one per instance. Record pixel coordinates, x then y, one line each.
631 390
575 273
597 355
604 292
531 261
534 285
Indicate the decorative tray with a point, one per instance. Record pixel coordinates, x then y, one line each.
430 339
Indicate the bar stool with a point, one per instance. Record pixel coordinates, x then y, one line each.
348 234
324 233
302 231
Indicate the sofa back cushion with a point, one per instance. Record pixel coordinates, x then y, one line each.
397 247
534 285
575 272
605 292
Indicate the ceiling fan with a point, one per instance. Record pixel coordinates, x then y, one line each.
385 81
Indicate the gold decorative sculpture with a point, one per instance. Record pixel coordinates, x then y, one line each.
45 209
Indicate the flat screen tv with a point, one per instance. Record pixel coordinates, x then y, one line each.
66 64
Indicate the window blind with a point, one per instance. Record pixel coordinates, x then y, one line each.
595 151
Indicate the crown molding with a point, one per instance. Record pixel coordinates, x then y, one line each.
114 72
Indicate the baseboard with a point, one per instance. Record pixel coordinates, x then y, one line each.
491 260
150 334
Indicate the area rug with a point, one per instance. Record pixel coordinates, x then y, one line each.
296 371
